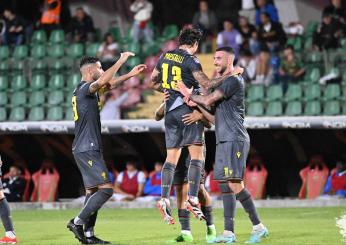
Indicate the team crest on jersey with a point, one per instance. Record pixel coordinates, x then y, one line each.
90 162
238 154
104 175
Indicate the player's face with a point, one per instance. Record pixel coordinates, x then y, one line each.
221 61
97 71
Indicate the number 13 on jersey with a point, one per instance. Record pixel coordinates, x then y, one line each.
74 108
175 72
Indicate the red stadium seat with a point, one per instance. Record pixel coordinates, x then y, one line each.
314 178
255 178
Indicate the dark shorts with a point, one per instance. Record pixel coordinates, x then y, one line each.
92 167
177 133
230 160
182 169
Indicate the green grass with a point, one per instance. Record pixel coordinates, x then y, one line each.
287 226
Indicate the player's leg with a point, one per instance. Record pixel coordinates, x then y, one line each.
207 209
5 214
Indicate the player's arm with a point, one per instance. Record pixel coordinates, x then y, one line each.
207 83
156 81
194 117
207 114
108 75
116 82
160 112
207 100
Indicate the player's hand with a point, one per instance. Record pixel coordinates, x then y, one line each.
192 117
166 96
137 70
189 102
124 56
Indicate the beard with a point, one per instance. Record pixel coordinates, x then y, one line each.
96 76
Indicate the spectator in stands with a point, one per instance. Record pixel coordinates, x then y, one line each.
129 184
143 10
113 101
14 185
294 28
108 51
337 11
205 19
336 183
246 30
270 33
14 30
327 35
248 62
248 10
82 27
229 37
50 18
291 68
263 6
152 188
264 73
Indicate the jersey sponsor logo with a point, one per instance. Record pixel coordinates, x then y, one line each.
238 154
103 175
174 57
90 162
228 172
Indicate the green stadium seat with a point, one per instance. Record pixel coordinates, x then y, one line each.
335 71
4 67
3 99
72 81
311 27
57 36
344 77
56 97
312 108
115 32
18 99
68 114
134 47
294 108
331 108
314 57
38 66
294 92
312 92
38 82
4 52
17 114
56 51
55 113
343 97
36 98
308 43
274 109
313 76
20 52
255 93
36 114
3 83
38 51
18 83
75 50
18 66
91 49
56 82
170 32
3 114
151 49
274 92
344 108
39 36
255 109
57 65
133 62
331 91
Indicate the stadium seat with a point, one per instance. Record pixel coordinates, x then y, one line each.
56 97
18 83
36 98
312 92
68 114
255 93
18 99
46 182
133 62
311 28
56 82
151 49
313 76
312 108
115 32
91 49
170 32
18 66
55 113
274 92
56 51
4 67
331 91
294 92
72 81
331 108
38 51
38 66
3 83
344 108
38 82
3 114
36 114
75 50
20 52
255 180
135 48
38 37
17 114
274 109
314 57
57 36
3 99
255 109
4 52
57 66
294 108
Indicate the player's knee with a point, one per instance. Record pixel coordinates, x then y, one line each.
108 192
196 163
236 186
224 188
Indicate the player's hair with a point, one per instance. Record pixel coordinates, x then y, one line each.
88 60
189 36
226 49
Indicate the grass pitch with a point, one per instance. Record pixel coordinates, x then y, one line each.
287 226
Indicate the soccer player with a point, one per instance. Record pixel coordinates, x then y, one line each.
175 65
232 147
87 144
181 184
5 214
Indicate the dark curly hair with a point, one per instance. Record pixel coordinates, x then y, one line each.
88 60
189 36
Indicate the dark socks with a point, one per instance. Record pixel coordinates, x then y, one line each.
89 225
184 219
229 204
5 214
167 177
245 199
208 213
194 177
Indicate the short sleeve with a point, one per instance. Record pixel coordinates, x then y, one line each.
120 178
159 63
193 64
84 89
141 177
229 87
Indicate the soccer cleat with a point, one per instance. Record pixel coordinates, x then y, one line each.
256 235
195 209
165 211
96 240
182 238
211 234
78 231
225 239
8 240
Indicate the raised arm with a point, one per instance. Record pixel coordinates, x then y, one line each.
156 81
116 82
207 83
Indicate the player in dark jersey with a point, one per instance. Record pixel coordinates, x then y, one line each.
233 144
175 65
87 144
